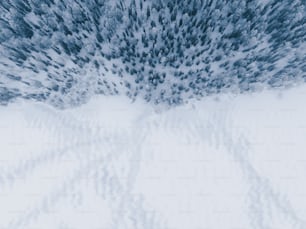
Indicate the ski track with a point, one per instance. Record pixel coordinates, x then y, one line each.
110 159
107 148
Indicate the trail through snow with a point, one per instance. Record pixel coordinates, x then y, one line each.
223 162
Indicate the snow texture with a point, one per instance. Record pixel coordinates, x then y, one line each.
222 162
152 114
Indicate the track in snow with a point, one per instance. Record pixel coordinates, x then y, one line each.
111 164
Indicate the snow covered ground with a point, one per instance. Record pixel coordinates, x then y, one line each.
228 162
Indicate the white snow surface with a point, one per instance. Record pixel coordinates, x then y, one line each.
232 162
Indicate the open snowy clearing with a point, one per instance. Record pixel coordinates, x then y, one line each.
232 162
